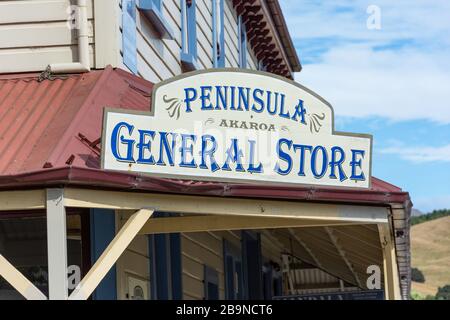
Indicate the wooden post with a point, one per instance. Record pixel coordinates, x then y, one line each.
57 245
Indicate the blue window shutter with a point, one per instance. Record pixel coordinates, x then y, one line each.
153 11
165 264
242 44
129 49
162 267
103 230
211 282
176 267
229 277
188 35
252 265
218 34
233 268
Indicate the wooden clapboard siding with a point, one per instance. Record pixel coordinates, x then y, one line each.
200 249
34 34
271 250
159 59
36 59
135 259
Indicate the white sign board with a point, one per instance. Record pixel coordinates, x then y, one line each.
236 125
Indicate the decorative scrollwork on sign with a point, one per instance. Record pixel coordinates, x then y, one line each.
174 107
209 121
315 122
285 128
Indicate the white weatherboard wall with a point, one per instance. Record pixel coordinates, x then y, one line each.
159 59
34 33
200 249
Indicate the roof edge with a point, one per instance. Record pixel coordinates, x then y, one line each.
90 177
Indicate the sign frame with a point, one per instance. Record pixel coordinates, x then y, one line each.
153 106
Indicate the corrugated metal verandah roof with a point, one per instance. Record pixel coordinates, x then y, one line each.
50 134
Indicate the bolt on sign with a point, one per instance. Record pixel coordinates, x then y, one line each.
236 125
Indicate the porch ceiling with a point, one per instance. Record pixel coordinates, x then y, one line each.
346 254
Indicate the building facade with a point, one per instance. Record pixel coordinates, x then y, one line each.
61 63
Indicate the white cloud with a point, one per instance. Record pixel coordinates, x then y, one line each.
408 79
400 85
420 154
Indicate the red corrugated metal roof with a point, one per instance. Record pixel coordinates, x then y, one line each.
50 132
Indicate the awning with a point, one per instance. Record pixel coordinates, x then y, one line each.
50 134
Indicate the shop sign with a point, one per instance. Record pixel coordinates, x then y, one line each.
236 125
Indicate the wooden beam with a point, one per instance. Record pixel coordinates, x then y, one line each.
87 198
22 200
303 244
391 277
342 253
18 281
56 245
221 222
109 257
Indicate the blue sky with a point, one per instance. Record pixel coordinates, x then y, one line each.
392 81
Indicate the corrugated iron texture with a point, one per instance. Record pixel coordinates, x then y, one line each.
53 123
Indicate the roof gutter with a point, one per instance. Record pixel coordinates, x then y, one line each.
83 45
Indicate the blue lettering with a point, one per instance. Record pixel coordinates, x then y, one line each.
337 159
252 168
302 148
187 150
209 153
314 159
169 150
190 95
257 96
282 113
356 163
234 154
243 98
284 156
142 146
114 139
299 111
206 97
222 97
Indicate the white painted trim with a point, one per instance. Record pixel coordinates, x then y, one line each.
107 33
85 198
56 245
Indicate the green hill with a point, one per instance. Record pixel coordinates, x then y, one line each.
430 247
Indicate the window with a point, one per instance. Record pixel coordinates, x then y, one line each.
165 264
188 35
234 282
153 10
129 49
242 33
218 34
211 280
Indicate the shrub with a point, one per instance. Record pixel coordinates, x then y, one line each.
443 293
417 275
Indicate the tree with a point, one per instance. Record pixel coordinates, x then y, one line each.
443 293
417 275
